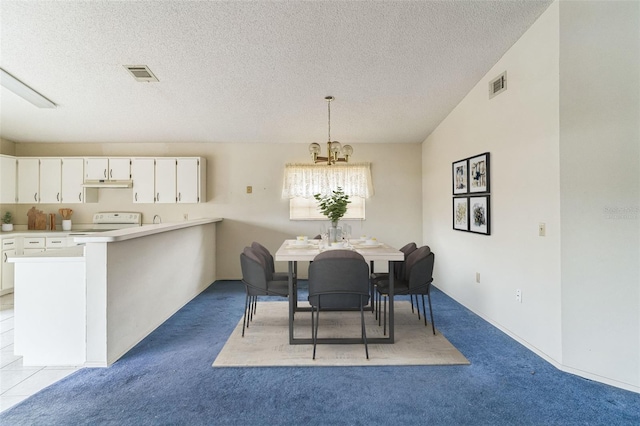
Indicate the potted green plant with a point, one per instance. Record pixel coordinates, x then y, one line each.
7 218
333 206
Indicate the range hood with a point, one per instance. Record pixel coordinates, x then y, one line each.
107 184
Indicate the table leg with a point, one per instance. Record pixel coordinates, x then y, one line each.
371 288
292 302
391 290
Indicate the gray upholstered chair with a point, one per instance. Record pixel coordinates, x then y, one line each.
259 281
338 280
417 279
398 269
277 276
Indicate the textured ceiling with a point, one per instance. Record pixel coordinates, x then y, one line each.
248 71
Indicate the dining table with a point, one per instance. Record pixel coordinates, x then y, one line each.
294 251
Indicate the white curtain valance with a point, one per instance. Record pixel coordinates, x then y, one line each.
306 180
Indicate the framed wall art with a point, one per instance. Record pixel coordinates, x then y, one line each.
480 214
479 173
460 177
461 213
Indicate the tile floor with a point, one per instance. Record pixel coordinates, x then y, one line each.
17 382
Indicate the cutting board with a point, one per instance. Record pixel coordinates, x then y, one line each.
36 219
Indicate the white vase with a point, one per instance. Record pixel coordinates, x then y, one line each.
66 224
6 227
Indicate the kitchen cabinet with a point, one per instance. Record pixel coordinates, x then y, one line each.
143 176
107 168
50 180
191 178
6 268
33 244
72 179
8 177
165 180
28 180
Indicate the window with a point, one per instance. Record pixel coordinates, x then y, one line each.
303 181
307 209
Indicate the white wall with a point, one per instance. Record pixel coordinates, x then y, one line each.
571 109
393 213
599 188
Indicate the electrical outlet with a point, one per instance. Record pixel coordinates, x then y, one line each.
518 296
477 277
542 229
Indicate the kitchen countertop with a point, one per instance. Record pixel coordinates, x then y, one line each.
140 231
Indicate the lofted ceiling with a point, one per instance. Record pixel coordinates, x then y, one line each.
250 72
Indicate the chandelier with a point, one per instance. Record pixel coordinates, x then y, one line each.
334 149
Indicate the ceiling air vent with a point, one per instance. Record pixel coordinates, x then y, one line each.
141 73
498 85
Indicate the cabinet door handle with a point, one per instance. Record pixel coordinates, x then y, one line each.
5 258
58 197
110 173
105 173
35 197
79 196
158 197
179 196
136 196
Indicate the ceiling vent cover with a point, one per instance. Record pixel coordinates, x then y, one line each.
141 73
498 85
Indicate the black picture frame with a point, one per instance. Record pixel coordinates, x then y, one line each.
479 208
460 177
478 169
460 213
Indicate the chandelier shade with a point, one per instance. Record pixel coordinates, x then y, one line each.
334 148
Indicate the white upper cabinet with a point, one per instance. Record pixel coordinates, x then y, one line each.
72 179
143 175
28 180
191 180
100 168
166 180
7 179
50 180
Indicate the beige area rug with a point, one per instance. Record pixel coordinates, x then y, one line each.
266 341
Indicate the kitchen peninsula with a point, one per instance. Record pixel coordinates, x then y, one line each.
89 304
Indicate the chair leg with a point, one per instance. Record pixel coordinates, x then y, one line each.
246 312
433 325
425 311
418 308
315 332
364 330
411 296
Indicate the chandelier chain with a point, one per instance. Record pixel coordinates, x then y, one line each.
329 108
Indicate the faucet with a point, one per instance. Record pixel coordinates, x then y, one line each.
157 217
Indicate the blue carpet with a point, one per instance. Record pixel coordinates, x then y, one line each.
167 379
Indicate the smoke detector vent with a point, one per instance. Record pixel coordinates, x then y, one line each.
141 73
498 85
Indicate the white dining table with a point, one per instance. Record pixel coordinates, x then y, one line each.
293 252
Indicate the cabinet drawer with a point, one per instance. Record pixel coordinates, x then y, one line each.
9 243
34 242
56 242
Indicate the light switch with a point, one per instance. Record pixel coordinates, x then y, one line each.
542 229
249 189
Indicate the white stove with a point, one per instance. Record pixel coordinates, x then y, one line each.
109 221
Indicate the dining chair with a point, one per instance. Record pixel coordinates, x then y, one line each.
398 268
417 279
277 276
259 281
338 280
